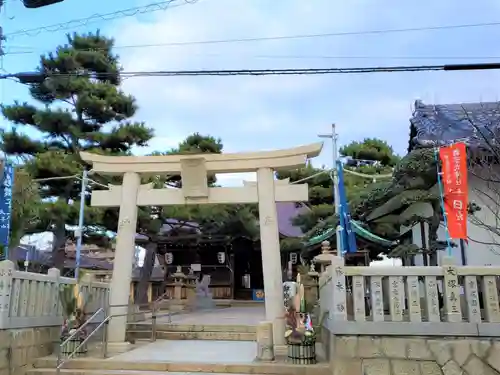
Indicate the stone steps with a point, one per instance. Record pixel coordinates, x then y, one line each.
90 366
193 335
239 328
120 372
193 332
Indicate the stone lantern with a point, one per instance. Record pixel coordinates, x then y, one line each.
179 279
326 257
190 286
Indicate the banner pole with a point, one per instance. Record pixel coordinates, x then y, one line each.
441 195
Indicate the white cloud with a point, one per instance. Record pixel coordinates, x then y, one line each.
256 113
235 179
385 261
159 143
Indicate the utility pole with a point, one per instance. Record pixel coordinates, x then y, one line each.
79 231
334 137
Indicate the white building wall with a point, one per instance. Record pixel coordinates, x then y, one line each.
483 247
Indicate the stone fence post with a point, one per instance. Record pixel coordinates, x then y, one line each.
6 276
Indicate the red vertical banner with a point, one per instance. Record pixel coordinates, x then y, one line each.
455 190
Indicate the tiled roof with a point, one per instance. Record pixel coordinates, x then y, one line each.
437 125
287 211
23 252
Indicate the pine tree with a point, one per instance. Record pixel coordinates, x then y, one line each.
370 157
81 108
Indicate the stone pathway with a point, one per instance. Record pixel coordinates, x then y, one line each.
248 315
193 351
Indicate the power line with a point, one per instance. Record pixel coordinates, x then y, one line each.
130 12
321 35
312 71
311 57
282 37
36 77
310 36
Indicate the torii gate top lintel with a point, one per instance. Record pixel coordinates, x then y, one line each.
215 163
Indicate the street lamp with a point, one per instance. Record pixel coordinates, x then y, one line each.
33 4
334 137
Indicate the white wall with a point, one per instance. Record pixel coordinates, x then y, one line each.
487 196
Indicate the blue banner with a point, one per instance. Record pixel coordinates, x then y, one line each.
348 238
6 183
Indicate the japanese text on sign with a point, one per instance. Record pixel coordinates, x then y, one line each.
454 172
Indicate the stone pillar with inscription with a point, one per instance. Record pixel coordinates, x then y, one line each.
472 300
451 296
6 278
124 254
338 312
271 255
490 299
265 344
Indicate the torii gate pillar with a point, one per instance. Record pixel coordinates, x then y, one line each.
271 255
193 170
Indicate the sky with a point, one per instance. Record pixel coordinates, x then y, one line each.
272 112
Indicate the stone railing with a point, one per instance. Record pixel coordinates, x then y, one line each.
422 301
32 300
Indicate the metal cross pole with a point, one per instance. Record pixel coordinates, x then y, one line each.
334 137
79 231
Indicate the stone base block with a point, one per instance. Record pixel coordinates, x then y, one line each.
115 348
265 344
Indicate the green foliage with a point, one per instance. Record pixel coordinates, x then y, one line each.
68 300
382 205
402 251
69 295
321 189
26 205
232 220
292 244
371 149
80 98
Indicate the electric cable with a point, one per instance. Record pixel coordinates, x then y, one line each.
261 72
129 12
23 51
39 30
326 35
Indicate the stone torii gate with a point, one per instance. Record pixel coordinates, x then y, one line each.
194 170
